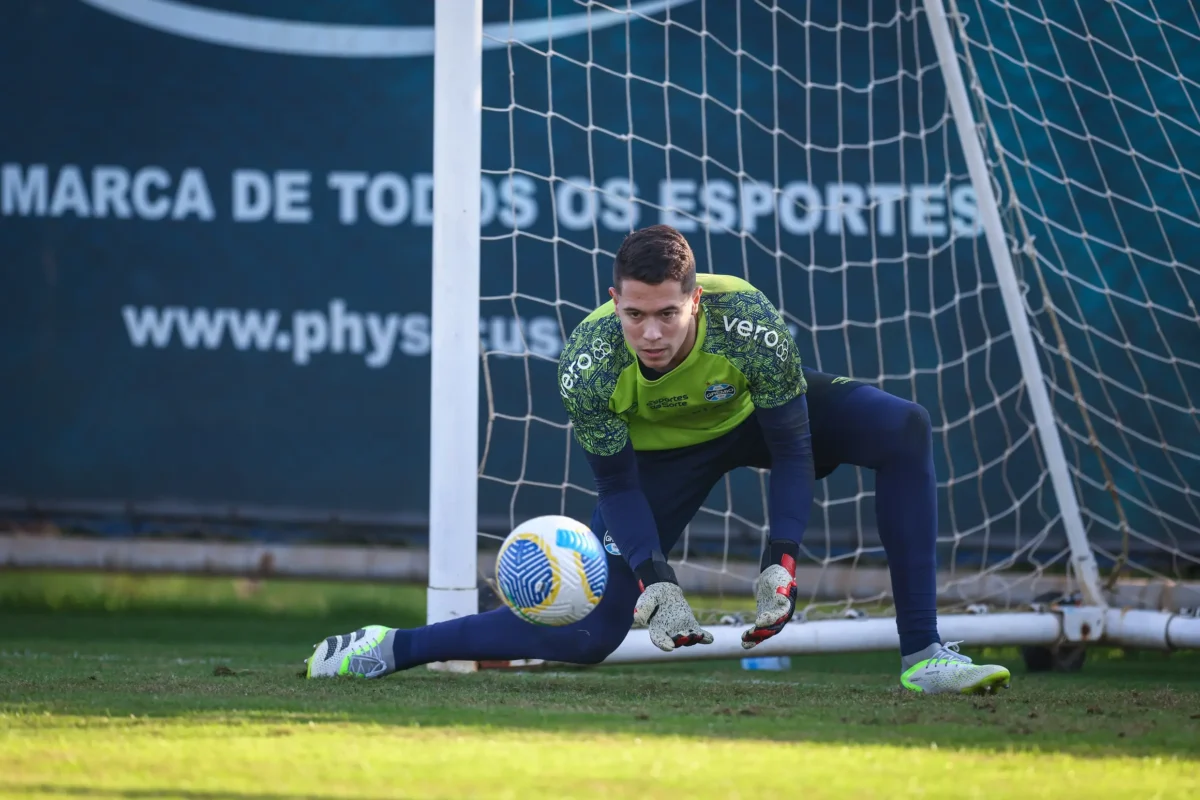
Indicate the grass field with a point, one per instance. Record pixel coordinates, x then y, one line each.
123 687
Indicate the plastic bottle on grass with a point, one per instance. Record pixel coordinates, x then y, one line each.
771 663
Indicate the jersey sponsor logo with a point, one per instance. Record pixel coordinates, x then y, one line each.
582 363
301 38
610 545
759 333
675 401
717 392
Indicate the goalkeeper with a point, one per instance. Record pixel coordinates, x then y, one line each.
680 379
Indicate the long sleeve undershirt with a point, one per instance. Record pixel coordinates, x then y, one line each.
624 506
790 496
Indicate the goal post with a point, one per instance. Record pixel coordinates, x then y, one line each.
1082 560
872 168
454 317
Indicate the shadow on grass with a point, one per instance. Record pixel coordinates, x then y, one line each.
838 700
17 790
110 647
196 627
121 606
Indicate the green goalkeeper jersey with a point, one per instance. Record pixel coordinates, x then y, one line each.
744 358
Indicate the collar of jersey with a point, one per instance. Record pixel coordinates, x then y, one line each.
697 346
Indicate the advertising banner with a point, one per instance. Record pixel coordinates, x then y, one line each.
215 221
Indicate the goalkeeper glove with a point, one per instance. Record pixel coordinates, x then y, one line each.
663 608
775 593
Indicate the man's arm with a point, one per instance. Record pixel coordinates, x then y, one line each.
786 431
604 437
623 505
585 387
789 440
630 521
776 382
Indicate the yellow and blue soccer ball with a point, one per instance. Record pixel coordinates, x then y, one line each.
551 570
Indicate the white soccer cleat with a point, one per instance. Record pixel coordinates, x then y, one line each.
947 670
360 654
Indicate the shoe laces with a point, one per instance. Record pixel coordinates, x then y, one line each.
948 652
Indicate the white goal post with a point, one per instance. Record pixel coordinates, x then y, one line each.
1084 483
454 318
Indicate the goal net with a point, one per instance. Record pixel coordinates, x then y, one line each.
1088 120
813 149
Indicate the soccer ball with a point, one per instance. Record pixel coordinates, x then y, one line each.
551 570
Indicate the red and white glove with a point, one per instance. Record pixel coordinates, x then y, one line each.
664 610
775 593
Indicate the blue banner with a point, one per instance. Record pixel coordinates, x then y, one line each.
215 219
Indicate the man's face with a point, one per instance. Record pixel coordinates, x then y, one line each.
657 320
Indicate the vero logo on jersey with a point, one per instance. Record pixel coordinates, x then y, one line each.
759 333
331 40
572 372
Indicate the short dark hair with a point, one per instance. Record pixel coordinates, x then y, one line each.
653 255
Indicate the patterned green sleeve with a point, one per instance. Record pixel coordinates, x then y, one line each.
588 371
759 344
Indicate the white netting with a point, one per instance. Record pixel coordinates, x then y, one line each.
809 148
1091 123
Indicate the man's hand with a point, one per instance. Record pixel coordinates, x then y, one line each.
663 608
672 624
775 592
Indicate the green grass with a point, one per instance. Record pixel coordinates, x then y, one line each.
135 687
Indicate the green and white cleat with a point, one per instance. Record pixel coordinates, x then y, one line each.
366 653
941 668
